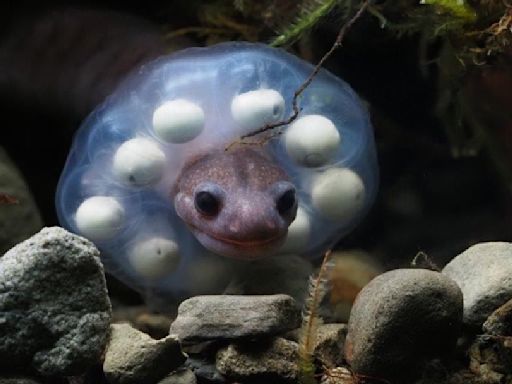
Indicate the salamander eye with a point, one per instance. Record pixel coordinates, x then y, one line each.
208 201
286 202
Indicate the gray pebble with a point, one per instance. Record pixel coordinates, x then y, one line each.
180 376
21 220
484 274
401 319
134 357
203 318
277 359
54 309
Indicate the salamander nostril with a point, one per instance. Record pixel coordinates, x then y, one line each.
286 202
207 203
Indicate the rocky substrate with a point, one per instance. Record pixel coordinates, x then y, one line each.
406 326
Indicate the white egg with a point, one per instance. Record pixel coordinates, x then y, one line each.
338 193
255 109
312 140
298 232
99 217
139 162
178 121
155 258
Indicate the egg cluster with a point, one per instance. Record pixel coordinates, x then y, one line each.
117 183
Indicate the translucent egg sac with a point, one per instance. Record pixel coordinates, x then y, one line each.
118 187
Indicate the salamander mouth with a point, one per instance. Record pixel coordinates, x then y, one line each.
239 249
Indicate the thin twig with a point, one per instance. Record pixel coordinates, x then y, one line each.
296 110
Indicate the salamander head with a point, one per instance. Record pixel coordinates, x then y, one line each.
237 203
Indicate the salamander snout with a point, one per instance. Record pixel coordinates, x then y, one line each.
209 199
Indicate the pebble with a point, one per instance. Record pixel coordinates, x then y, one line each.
330 341
491 358
203 318
181 376
484 274
134 357
499 323
400 320
54 309
276 359
20 219
205 370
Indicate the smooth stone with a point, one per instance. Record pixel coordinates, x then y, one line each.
499 323
203 318
21 219
400 320
275 359
134 357
54 309
180 376
484 274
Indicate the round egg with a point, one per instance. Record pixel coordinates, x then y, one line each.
298 232
155 258
178 121
338 193
255 109
312 140
99 217
138 162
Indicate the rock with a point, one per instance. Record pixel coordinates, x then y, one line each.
276 359
499 323
491 359
134 357
54 309
329 345
181 376
400 320
484 274
203 318
20 218
205 370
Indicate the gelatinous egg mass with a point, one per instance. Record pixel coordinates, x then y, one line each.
168 127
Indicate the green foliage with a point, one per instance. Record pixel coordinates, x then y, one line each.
309 16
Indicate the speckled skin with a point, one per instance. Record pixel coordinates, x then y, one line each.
248 224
